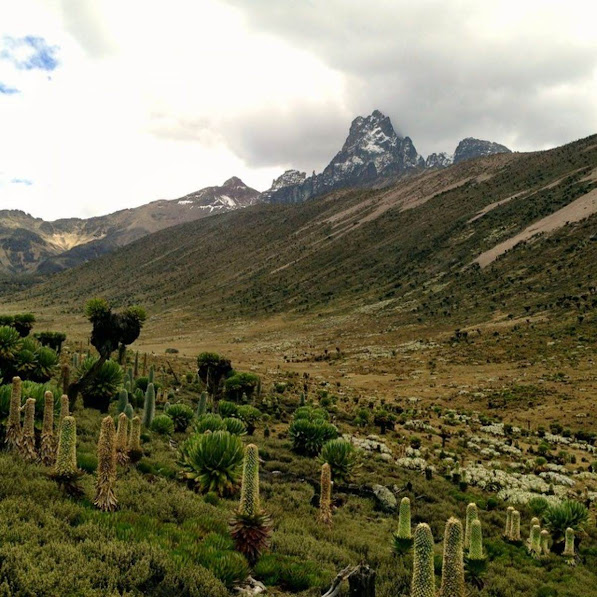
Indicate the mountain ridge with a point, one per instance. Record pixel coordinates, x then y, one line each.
33 245
409 250
373 154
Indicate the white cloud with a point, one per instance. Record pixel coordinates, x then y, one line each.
141 108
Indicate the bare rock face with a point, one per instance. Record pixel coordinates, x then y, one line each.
470 148
372 150
439 160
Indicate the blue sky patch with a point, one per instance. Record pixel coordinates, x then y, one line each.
24 181
29 53
6 90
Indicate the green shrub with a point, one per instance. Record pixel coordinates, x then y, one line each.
53 340
340 455
25 357
213 461
87 462
310 430
141 383
569 513
227 566
182 415
311 414
249 415
235 426
209 422
241 383
538 505
290 573
29 389
103 387
227 409
212 368
163 425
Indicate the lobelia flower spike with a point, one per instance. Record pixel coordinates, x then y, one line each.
476 541
134 447
404 527
423 579
27 443
569 547
105 499
508 529
13 425
471 514
149 406
122 439
545 537
453 563
48 439
403 537
325 498
535 540
515 527
250 527
65 469
64 407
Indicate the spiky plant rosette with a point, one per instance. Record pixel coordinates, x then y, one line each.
251 526
251 534
341 456
213 461
568 513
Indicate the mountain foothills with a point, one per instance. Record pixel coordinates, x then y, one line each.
372 155
30 244
505 235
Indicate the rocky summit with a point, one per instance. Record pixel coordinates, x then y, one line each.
470 148
372 153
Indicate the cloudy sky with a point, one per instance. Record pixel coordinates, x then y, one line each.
106 104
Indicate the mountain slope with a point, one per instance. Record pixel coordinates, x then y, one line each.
30 244
408 250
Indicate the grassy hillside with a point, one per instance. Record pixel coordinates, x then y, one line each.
167 539
366 302
413 246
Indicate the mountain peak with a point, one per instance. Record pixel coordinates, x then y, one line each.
470 148
234 182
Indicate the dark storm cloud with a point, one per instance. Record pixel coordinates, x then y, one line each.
441 70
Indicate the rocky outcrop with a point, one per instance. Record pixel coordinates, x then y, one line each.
470 148
372 150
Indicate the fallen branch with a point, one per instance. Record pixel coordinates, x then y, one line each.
341 576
